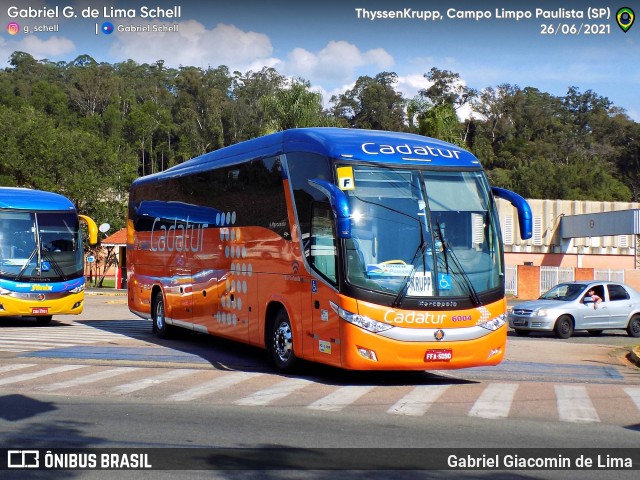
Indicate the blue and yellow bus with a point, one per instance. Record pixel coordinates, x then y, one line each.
41 254
354 248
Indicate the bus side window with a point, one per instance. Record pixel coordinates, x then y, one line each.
323 241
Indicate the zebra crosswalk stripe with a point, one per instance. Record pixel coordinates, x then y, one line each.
143 383
40 373
341 398
92 378
494 401
418 401
274 393
212 386
574 404
15 366
634 393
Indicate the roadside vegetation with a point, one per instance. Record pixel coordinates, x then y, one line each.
87 129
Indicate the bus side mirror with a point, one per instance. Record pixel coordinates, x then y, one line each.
525 218
92 227
339 205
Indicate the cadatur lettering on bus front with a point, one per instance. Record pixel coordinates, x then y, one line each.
178 237
372 148
414 318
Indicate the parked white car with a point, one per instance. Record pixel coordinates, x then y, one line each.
567 307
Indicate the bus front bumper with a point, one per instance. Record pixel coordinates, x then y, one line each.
363 350
27 305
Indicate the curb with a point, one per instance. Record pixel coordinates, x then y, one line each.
634 356
110 292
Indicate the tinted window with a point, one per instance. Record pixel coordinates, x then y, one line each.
303 167
617 292
251 193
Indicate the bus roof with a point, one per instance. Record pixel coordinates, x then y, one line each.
341 143
33 200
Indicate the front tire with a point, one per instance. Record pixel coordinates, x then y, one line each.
160 327
282 343
564 327
633 329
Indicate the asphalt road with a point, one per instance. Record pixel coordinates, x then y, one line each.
103 380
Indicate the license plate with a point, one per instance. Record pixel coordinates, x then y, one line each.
40 310
440 355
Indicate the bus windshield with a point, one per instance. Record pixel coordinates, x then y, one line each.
40 246
422 233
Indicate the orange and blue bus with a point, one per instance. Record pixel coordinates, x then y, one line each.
41 254
354 248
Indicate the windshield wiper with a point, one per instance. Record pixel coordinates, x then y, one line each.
473 294
26 265
407 279
56 267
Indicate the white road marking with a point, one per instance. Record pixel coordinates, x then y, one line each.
213 386
341 398
274 393
92 378
574 404
38 374
634 393
494 401
150 381
418 401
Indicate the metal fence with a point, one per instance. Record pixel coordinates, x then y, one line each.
511 280
551 276
609 274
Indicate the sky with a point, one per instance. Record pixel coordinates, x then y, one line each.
330 43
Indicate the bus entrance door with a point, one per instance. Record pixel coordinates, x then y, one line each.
326 324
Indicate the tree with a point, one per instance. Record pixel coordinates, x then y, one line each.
372 103
294 107
433 112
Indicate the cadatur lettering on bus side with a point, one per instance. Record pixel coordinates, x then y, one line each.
372 148
414 318
178 237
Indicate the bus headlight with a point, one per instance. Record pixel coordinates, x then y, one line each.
360 320
494 323
77 289
4 291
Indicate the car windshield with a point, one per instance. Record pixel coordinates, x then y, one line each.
565 292
422 233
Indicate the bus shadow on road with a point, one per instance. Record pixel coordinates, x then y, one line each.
133 341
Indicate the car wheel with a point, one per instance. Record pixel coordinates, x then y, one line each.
564 327
633 329
522 333
160 327
595 333
282 343
45 320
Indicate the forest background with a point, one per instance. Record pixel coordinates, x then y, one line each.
88 129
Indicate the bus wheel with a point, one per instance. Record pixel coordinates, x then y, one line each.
282 343
564 327
160 327
633 329
46 320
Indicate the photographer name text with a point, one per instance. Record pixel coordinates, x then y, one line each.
150 12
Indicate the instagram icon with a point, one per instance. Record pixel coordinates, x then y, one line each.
13 28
